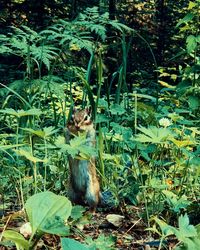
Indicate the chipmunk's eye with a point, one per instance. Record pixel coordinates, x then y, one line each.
85 118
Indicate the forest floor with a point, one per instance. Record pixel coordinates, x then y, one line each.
129 234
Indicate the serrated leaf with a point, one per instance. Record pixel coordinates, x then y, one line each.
77 212
153 134
185 228
191 43
29 156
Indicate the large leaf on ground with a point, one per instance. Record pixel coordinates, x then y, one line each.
47 212
70 244
17 238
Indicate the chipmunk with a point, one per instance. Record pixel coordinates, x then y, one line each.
83 182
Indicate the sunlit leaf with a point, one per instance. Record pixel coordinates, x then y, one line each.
153 134
191 43
183 143
47 212
17 238
191 5
29 156
165 84
186 230
186 19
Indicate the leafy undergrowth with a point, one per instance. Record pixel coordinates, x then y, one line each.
130 234
49 221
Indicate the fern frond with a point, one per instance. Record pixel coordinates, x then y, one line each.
44 53
4 49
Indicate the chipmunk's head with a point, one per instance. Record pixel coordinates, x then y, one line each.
81 119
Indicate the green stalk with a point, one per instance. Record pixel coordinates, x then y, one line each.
45 164
99 66
21 191
35 176
100 154
122 71
135 115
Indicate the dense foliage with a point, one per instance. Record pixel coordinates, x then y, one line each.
137 64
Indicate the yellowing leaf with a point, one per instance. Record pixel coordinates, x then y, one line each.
182 144
164 74
165 84
74 46
185 27
191 5
173 77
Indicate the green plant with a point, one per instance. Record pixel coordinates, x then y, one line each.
187 235
47 213
189 86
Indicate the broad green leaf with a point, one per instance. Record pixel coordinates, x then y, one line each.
198 39
191 43
116 109
17 238
194 102
70 244
186 19
102 118
47 212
